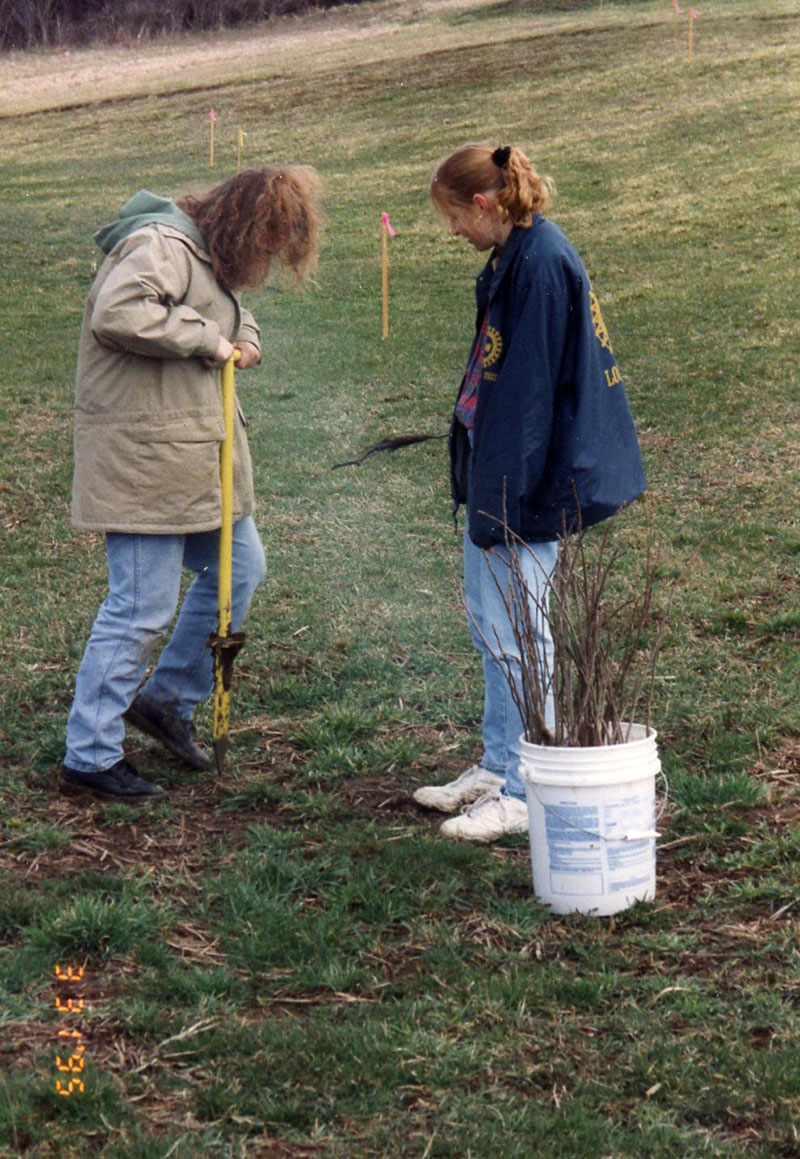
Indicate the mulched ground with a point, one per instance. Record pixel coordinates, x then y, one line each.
204 828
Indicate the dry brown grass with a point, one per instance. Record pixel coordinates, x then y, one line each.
311 45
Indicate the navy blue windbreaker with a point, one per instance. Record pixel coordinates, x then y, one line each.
554 442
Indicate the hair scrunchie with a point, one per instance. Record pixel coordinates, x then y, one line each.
501 156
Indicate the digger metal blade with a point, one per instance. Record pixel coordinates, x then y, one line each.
220 746
225 650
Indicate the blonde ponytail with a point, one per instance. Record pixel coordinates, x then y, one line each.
479 168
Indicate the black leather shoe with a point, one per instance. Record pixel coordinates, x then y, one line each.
121 782
175 733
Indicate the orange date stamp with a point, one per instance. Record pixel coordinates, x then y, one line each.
71 1057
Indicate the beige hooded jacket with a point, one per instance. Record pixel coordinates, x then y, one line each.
148 411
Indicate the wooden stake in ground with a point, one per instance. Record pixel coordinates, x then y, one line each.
693 14
212 117
386 231
239 149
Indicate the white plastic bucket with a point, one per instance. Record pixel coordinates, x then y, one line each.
592 823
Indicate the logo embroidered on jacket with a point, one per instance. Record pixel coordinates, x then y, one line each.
599 325
492 347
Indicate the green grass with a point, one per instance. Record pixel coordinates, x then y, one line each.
290 961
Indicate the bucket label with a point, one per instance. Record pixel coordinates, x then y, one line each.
575 854
575 885
587 850
627 814
628 855
631 883
568 822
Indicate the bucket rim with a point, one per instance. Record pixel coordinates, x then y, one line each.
650 736
535 778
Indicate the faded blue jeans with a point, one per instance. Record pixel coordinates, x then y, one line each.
492 632
144 578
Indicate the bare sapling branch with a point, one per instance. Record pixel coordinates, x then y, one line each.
599 675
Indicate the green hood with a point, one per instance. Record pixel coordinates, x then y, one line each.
143 209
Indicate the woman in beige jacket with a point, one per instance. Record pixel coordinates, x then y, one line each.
161 319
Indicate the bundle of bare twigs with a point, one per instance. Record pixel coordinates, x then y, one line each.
606 636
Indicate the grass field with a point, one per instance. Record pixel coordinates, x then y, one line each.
291 962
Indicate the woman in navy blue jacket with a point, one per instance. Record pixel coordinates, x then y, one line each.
541 440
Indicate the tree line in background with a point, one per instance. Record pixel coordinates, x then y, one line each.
51 23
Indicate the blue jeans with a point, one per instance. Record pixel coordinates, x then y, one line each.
491 631
144 578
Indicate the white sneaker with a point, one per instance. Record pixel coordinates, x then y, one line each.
474 783
492 816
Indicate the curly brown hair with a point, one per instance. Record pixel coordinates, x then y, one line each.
258 215
506 172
